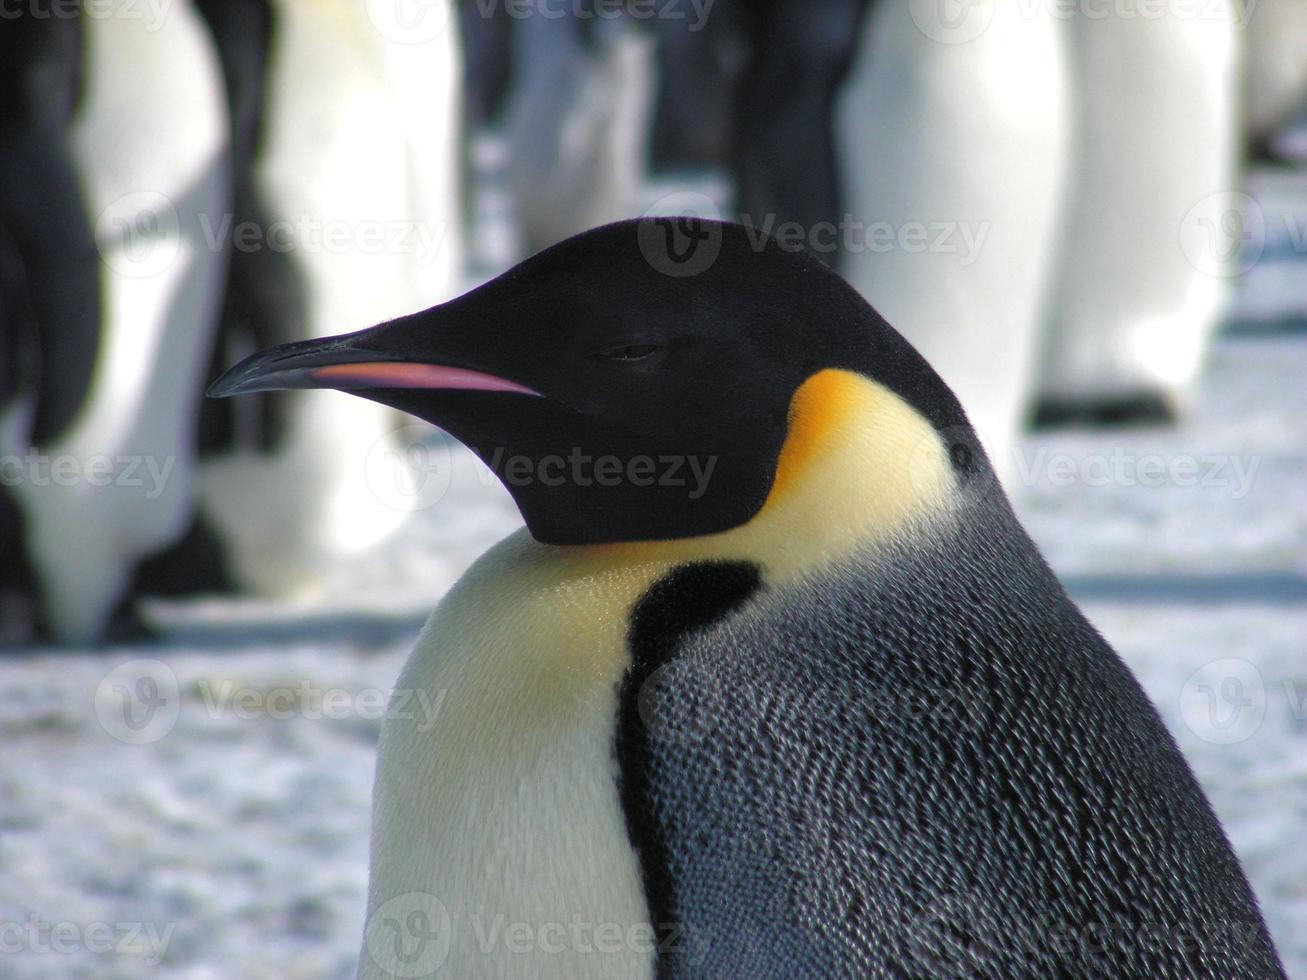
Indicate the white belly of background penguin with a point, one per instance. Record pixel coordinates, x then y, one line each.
824 713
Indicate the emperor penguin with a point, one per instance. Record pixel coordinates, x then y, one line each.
784 158
351 188
952 137
1274 73
122 292
49 279
772 683
1153 228
576 125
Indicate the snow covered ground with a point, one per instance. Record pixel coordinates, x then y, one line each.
200 808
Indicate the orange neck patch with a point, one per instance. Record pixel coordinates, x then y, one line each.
820 408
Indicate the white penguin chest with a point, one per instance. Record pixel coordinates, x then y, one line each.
503 805
500 847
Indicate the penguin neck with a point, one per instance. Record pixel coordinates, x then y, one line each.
859 469
533 644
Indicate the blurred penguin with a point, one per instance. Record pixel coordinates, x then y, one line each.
784 157
577 122
117 294
1150 231
49 278
1274 77
700 67
350 182
951 137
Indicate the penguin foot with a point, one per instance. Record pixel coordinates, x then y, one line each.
195 564
1145 409
126 627
20 620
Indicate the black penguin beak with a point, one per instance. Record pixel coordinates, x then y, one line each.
352 362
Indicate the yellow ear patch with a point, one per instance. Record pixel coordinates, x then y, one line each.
820 407
858 465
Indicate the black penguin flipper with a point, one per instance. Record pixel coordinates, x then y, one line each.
53 258
927 764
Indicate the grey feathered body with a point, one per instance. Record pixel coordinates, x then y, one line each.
925 763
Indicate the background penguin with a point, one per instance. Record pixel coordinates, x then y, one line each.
1150 233
49 275
576 124
992 164
1274 75
341 127
784 159
130 324
824 713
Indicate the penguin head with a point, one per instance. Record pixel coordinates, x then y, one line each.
634 382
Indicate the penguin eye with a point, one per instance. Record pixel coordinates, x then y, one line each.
629 352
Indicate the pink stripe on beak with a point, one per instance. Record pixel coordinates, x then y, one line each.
404 374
